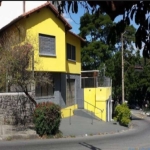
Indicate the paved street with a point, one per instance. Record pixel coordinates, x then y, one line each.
139 137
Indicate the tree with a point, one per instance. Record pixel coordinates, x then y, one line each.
113 65
17 66
137 11
96 50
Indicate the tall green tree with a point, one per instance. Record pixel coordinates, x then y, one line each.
96 50
137 11
113 65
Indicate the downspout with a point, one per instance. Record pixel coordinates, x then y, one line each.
111 102
108 110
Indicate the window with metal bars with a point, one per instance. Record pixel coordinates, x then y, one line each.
47 45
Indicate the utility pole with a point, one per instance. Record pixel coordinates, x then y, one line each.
122 67
24 7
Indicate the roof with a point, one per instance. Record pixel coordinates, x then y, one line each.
52 8
47 4
77 36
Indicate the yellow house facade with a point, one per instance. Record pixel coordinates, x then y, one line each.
56 49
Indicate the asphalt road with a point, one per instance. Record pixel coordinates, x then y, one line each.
135 139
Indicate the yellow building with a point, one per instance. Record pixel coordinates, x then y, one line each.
56 48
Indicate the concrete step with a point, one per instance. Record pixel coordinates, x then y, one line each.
86 114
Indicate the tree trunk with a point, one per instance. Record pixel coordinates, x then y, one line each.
30 98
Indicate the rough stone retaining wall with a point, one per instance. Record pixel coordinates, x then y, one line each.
16 108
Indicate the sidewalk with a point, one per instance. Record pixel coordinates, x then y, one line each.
74 127
81 126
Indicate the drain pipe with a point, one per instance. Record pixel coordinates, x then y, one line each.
108 110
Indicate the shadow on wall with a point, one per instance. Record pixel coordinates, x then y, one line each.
17 108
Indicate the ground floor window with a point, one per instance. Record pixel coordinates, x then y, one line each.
45 89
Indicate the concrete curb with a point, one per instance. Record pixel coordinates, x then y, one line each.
19 137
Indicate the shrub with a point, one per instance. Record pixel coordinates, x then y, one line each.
47 118
122 114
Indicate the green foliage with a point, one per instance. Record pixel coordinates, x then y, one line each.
96 50
122 114
47 118
17 65
137 11
95 30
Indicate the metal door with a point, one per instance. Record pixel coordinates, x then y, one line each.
70 92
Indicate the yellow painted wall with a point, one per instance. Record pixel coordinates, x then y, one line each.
74 66
68 111
89 99
95 100
47 23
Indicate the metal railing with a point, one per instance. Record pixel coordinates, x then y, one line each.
62 115
93 82
88 82
101 110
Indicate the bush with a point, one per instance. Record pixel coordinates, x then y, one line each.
47 118
122 114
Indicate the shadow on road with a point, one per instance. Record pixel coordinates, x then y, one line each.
89 146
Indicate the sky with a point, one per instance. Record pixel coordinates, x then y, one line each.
12 9
9 10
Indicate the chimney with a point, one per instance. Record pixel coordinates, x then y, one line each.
24 10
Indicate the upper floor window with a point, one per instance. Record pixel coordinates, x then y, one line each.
47 45
71 52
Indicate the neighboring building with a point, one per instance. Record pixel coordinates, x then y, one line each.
57 49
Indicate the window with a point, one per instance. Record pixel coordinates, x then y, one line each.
44 90
47 45
71 52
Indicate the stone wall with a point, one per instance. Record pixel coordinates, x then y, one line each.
16 108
